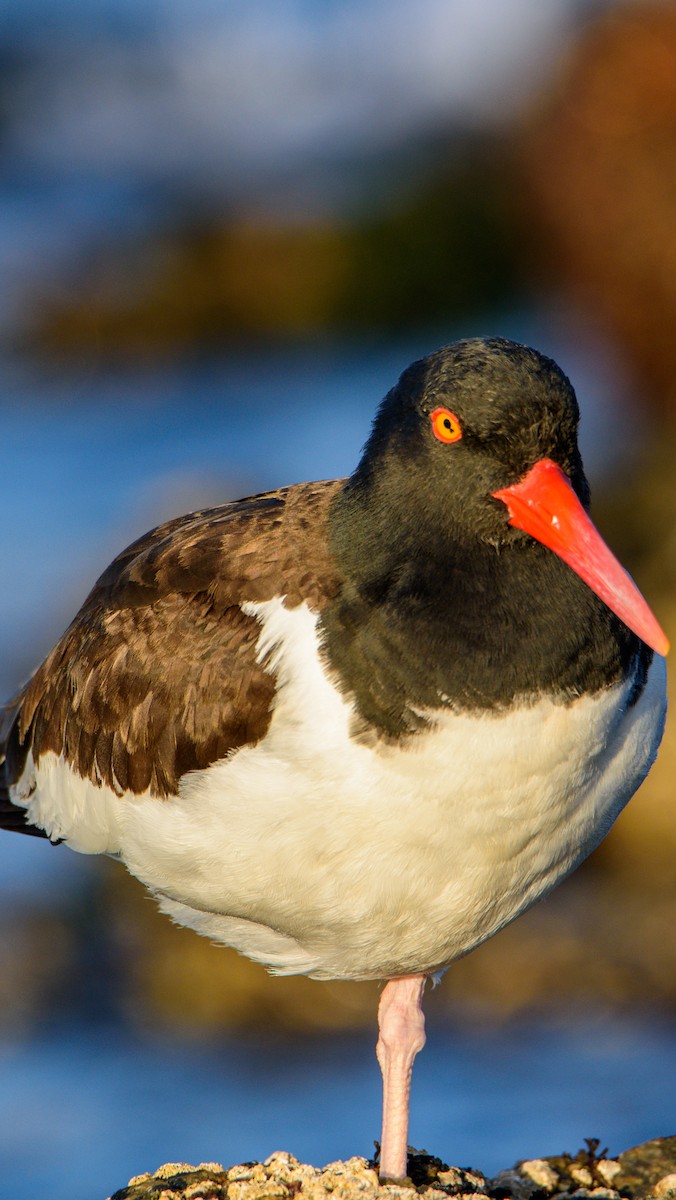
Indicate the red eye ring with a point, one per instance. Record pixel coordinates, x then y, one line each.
445 425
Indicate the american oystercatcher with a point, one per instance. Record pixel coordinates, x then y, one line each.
353 728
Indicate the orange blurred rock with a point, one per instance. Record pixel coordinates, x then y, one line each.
600 171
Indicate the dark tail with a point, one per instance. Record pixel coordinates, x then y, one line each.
12 816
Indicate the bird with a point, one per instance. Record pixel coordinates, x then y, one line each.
352 728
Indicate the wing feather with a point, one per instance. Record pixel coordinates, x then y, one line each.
158 674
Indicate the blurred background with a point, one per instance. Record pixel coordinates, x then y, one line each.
225 228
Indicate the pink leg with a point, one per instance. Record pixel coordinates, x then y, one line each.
401 1027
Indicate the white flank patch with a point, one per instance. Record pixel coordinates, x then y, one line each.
314 853
67 806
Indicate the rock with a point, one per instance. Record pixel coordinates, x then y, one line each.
608 1169
542 1174
666 1186
647 1172
645 1169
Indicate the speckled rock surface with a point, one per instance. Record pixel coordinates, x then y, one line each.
646 1172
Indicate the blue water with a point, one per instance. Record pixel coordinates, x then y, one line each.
83 1111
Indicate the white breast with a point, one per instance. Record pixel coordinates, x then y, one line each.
313 853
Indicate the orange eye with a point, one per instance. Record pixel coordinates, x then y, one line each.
445 426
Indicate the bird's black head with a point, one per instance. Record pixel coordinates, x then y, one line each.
460 424
465 546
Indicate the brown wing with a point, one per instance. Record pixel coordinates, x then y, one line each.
157 675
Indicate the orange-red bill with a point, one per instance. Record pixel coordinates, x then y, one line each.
544 505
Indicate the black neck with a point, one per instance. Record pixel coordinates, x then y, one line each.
465 625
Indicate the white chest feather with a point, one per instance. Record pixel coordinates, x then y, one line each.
314 853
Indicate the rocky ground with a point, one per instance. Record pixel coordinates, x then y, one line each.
646 1172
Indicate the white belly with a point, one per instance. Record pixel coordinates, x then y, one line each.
313 853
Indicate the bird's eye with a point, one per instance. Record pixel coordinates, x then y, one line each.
445 426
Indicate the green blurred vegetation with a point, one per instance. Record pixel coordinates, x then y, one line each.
440 249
